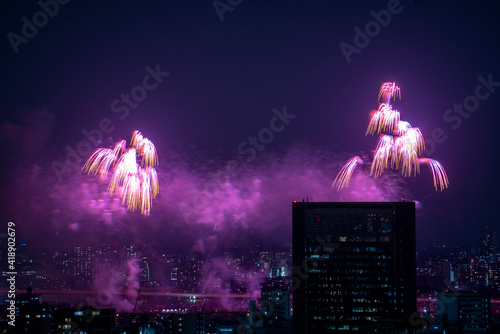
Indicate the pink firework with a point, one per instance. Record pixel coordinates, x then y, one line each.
383 119
388 90
401 147
136 182
438 173
344 175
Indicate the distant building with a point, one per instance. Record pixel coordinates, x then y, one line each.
31 315
226 329
185 323
435 275
273 318
150 329
464 312
275 304
253 321
83 266
35 318
84 320
480 274
28 298
488 247
354 267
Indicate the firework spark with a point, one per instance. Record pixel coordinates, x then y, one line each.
401 146
136 182
344 176
438 173
383 119
388 90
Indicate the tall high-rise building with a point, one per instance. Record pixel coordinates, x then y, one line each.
354 267
488 246
83 266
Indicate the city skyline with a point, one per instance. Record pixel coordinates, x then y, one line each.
118 277
78 267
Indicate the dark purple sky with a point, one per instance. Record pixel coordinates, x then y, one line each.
225 78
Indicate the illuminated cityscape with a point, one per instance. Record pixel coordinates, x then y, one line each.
67 281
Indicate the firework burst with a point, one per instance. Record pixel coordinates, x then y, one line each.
344 176
399 148
134 176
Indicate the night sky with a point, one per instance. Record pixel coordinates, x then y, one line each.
228 68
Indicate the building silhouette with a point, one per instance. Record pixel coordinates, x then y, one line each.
185 323
354 267
275 304
488 246
84 320
465 311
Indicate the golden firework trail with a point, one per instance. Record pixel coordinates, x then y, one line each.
399 147
134 176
